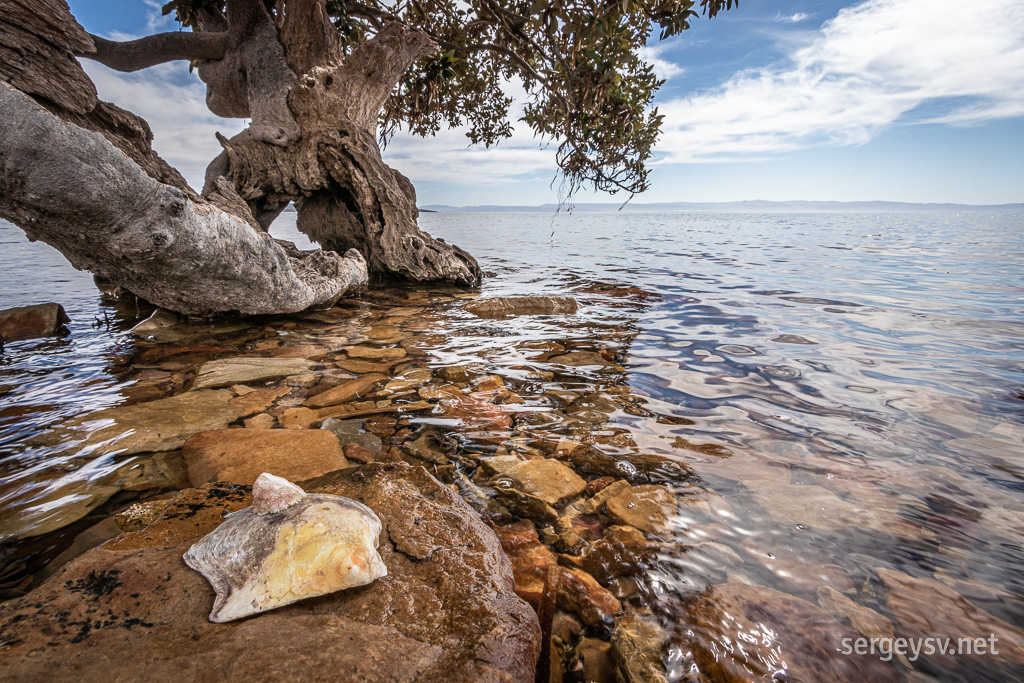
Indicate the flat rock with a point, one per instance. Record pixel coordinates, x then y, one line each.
131 609
375 353
165 326
649 508
549 480
579 359
925 608
352 432
227 371
30 322
161 425
343 393
241 455
503 306
638 642
363 366
778 631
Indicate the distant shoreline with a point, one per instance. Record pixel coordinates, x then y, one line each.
755 206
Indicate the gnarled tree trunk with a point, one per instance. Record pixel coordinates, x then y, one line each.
81 175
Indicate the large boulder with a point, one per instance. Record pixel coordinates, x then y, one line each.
29 322
131 609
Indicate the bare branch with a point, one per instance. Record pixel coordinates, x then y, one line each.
160 48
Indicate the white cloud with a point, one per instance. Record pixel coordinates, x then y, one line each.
663 69
866 70
174 104
798 17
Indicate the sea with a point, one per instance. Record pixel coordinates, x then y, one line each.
846 391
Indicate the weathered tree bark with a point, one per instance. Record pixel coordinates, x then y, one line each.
151 238
81 174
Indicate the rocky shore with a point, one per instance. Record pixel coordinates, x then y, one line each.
526 531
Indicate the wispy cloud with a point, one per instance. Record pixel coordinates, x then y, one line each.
866 70
663 68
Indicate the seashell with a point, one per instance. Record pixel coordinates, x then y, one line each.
289 546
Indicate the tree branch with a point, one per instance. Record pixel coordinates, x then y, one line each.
160 48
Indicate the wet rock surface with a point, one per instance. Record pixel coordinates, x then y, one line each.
240 455
223 373
134 599
776 631
497 307
30 322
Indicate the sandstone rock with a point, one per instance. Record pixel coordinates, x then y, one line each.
258 400
597 501
298 418
865 620
375 353
531 564
29 322
779 631
243 370
166 327
140 515
499 464
596 659
635 468
637 643
357 453
925 608
161 425
579 359
131 609
261 421
648 508
362 367
346 392
459 373
800 571
498 307
95 535
488 383
241 455
549 480
353 432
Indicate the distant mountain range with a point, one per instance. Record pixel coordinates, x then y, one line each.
756 206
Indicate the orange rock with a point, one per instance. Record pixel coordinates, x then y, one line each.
241 455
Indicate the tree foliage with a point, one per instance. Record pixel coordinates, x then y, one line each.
587 87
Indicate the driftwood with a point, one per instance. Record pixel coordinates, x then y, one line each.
81 174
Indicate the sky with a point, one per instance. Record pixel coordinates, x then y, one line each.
832 100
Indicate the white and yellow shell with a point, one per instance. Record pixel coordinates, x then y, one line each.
288 546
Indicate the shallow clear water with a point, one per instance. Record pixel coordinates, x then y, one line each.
847 389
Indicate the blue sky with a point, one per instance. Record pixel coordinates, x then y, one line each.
900 100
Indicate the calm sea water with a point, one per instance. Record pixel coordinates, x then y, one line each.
848 389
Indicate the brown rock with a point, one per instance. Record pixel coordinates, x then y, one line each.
636 468
29 322
925 608
458 373
362 367
375 353
578 592
346 392
499 307
596 659
243 370
261 421
241 455
782 632
549 480
140 515
648 508
258 400
579 359
637 643
354 451
132 610
298 418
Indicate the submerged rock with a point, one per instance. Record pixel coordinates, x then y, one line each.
288 546
133 603
648 508
346 392
778 632
242 370
503 306
240 455
549 480
29 322
637 644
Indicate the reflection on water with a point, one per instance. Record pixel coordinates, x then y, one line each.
835 400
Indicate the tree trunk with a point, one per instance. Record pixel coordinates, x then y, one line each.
184 254
81 174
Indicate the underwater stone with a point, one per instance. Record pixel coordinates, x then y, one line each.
287 547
